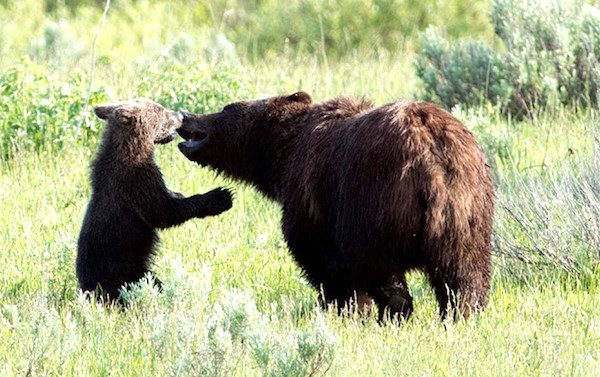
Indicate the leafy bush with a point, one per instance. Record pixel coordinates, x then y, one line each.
233 329
192 87
210 340
551 58
58 46
461 73
38 113
237 327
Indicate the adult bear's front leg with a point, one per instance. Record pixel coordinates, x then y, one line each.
314 250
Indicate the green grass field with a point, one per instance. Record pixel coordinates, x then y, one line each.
547 325
234 302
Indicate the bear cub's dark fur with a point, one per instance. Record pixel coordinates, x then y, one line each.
130 200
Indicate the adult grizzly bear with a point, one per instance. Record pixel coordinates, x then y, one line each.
368 193
129 197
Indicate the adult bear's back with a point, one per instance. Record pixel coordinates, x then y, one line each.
406 179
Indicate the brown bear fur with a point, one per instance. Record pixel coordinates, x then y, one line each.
368 193
129 198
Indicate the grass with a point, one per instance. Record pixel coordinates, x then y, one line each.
546 326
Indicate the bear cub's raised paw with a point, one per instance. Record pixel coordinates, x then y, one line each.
213 202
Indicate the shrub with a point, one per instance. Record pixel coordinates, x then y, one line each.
461 73
236 328
37 113
215 340
551 59
58 46
192 87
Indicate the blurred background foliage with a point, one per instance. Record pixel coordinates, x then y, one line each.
550 56
252 29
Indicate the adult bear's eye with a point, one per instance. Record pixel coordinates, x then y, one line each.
229 108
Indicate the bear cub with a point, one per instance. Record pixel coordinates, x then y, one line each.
129 198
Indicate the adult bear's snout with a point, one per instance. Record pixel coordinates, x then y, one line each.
188 125
193 132
185 115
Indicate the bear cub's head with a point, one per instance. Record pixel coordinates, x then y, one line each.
141 118
244 134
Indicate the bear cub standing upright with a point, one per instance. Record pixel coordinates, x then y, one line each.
368 193
129 198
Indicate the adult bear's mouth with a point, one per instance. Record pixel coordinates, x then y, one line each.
195 140
194 133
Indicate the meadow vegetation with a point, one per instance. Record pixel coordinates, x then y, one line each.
234 301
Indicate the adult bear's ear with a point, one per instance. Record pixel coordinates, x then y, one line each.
104 111
301 97
287 107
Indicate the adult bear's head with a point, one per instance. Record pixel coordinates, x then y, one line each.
246 140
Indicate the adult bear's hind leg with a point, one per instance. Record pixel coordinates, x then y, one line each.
461 288
394 298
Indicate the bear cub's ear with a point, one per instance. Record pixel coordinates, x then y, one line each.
120 113
104 111
124 115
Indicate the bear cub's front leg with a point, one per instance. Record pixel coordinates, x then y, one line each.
212 203
179 209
